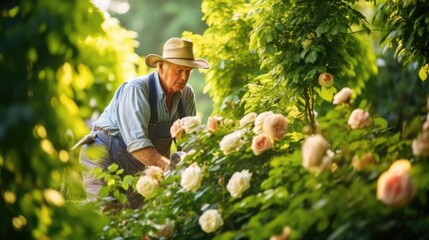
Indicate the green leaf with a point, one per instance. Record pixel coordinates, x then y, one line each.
311 58
113 167
423 72
326 93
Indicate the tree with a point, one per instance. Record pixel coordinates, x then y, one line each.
54 60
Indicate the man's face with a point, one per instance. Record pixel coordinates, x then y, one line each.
174 77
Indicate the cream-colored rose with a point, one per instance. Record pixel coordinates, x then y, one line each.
147 186
420 144
342 96
361 162
210 220
395 186
165 230
247 119
191 178
275 126
359 119
261 143
53 197
284 235
316 155
191 123
239 183
213 123
326 80
155 172
259 122
176 129
231 143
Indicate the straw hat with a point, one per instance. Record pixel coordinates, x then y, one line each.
177 51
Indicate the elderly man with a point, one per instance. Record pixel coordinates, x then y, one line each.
135 126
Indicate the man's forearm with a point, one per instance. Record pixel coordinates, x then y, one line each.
150 157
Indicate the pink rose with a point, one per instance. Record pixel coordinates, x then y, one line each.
359 119
155 172
213 123
326 80
176 129
261 143
342 96
275 126
395 187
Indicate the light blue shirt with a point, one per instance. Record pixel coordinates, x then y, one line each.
128 113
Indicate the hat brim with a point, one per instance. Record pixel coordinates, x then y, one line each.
152 59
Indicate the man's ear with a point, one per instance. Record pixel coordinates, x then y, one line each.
162 67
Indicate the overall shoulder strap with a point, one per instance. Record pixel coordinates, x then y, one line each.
180 109
152 101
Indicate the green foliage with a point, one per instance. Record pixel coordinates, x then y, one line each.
307 39
232 64
406 24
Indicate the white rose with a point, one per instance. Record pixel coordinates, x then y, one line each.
191 123
176 129
239 183
275 126
247 119
210 221
231 143
342 96
147 186
359 119
259 122
316 155
394 187
191 178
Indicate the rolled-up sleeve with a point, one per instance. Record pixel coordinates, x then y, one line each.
133 118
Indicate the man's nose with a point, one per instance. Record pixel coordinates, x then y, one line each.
185 75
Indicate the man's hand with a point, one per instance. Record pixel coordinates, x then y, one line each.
150 157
